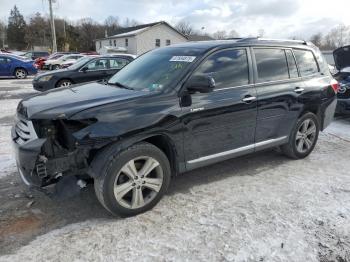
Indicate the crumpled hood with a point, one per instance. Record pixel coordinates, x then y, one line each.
64 102
342 57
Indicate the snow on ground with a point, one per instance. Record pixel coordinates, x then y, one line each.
257 208
262 207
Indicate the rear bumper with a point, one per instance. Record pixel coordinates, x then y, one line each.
328 112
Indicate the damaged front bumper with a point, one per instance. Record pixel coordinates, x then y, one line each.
42 161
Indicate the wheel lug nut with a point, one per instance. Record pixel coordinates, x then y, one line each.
142 176
133 184
136 177
143 182
138 187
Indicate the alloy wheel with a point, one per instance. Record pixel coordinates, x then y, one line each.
20 74
305 136
138 182
65 83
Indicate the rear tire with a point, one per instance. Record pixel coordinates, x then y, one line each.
303 137
20 73
133 181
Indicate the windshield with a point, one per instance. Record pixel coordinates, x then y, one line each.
157 70
80 62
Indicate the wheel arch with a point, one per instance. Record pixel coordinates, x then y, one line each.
312 108
160 140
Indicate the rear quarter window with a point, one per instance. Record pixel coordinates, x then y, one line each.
306 62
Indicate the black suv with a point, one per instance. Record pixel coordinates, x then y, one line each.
172 110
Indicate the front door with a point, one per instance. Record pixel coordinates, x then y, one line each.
5 66
221 124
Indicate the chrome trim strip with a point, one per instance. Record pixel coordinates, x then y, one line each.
237 150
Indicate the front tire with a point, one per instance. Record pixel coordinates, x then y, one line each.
64 83
134 180
303 137
20 73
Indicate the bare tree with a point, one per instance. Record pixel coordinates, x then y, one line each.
130 22
3 30
112 25
316 39
185 28
221 34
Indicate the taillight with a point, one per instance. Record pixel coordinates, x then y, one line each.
335 85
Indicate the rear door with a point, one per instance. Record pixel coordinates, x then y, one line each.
221 124
278 85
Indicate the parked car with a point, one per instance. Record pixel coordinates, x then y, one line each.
54 64
40 62
15 66
172 110
36 54
70 62
87 69
342 63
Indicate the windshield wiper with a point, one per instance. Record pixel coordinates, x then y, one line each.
120 85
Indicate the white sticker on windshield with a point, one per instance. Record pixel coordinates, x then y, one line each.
187 59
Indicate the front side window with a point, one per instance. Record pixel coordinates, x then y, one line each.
271 64
168 42
118 63
110 42
306 62
157 42
4 60
229 68
98 64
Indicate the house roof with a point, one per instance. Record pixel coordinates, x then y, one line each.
134 30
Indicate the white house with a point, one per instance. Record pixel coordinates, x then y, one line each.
140 39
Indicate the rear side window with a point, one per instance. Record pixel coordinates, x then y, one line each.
306 62
118 63
229 68
271 64
292 67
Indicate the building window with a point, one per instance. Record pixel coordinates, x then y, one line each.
157 42
115 42
126 42
168 42
100 44
110 42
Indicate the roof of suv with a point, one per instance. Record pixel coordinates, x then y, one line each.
244 42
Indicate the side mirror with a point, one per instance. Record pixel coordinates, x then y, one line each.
84 69
201 84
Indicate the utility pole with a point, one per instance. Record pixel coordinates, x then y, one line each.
53 30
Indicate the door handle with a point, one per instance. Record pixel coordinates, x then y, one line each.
249 99
298 90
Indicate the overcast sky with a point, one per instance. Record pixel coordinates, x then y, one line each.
278 18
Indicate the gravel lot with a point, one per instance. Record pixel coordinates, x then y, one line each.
262 207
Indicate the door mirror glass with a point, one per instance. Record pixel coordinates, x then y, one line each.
84 69
201 84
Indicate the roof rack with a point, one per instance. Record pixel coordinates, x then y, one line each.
246 39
